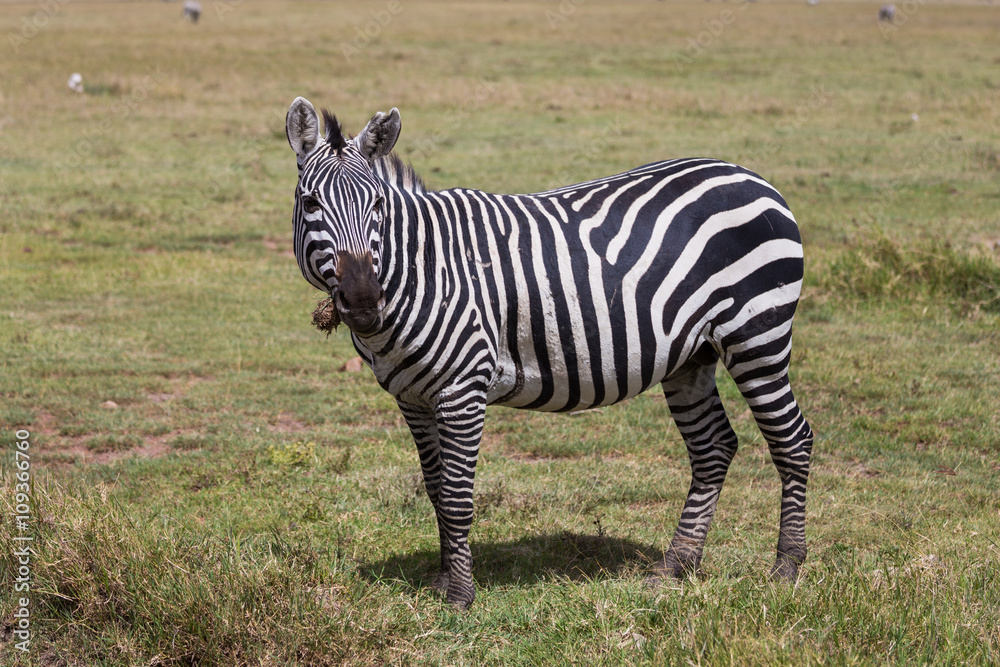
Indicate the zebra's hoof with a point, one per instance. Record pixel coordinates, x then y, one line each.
785 571
676 565
461 602
461 594
440 583
461 606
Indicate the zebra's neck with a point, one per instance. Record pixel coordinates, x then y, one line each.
401 242
397 175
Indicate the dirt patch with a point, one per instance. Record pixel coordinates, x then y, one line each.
353 365
73 450
45 423
286 423
852 467
68 450
151 449
990 242
861 470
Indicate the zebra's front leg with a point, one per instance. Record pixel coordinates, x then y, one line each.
711 444
460 418
423 427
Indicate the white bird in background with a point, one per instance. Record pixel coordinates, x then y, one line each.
75 82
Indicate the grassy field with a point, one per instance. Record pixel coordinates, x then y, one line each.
211 483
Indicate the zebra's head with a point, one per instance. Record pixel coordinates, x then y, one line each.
339 205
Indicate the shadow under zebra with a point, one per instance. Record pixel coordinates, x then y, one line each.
530 559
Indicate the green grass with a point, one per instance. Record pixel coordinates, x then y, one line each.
210 487
883 267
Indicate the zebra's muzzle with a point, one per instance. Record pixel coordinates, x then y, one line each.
359 298
362 320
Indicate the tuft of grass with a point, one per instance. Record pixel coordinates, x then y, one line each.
113 442
881 267
108 89
189 442
293 454
188 596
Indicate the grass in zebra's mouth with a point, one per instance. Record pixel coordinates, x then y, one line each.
325 317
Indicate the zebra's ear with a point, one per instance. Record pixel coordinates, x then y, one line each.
302 127
380 135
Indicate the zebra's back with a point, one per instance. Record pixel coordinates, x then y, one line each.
601 290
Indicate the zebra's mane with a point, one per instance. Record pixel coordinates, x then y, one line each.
394 171
332 132
389 167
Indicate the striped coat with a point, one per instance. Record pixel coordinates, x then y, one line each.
562 300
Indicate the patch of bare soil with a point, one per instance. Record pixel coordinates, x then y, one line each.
66 450
286 423
353 365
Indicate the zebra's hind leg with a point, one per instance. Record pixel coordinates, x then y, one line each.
423 427
760 368
711 444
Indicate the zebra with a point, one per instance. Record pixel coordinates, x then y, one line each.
192 10
563 300
887 13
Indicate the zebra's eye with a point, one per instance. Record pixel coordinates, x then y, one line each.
378 206
310 203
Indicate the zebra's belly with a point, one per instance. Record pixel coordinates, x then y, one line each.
566 382
561 401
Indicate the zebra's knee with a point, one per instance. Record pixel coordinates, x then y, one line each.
791 455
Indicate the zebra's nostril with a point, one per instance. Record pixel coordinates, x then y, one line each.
342 301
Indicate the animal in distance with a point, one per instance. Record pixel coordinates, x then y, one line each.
568 299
